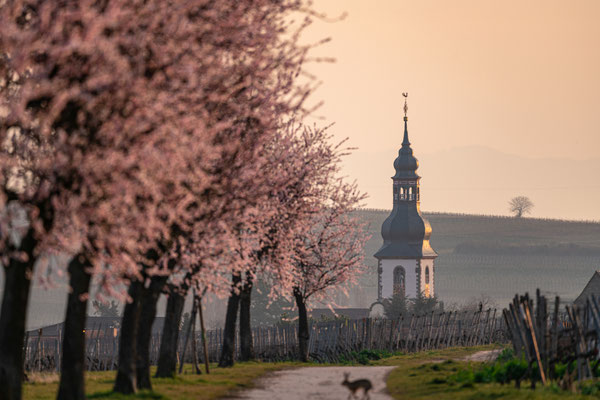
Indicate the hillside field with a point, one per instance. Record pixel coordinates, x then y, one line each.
500 256
495 256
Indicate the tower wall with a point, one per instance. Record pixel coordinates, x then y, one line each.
387 277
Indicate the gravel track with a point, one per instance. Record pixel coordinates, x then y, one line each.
317 383
325 382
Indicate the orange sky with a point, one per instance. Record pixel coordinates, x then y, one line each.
519 77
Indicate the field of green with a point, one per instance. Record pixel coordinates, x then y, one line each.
500 256
435 374
496 256
441 375
187 386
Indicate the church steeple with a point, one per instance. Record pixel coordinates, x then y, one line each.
406 259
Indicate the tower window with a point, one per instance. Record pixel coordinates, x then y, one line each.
427 275
399 281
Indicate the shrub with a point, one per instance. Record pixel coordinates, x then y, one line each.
463 377
499 374
485 375
516 369
506 368
590 388
365 356
506 355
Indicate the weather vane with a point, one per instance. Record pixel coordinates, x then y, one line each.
405 94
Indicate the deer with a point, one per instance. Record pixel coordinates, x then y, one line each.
353 386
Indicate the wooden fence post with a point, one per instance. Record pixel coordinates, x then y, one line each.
535 343
187 336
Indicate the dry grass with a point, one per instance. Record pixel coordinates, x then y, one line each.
42 377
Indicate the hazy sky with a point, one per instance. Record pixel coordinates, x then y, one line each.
518 77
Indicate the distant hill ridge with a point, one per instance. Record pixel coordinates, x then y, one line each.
478 254
453 214
499 255
561 250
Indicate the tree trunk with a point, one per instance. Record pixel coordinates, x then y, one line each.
246 346
228 351
72 382
148 300
167 358
303 331
17 281
126 375
194 347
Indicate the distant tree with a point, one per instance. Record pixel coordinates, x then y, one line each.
520 205
395 307
106 310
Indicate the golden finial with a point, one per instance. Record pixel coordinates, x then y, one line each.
405 94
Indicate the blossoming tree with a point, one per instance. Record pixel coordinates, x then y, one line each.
329 254
119 116
297 163
84 156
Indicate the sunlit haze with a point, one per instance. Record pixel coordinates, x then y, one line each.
503 100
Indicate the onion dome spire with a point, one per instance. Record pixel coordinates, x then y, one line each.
406 164
405 232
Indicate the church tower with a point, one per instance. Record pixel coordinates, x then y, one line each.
406 259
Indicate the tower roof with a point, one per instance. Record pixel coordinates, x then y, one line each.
405 232
406 163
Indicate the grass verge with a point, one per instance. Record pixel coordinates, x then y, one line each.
186 386
437 375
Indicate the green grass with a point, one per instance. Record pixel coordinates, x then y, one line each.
435 375
186 386
440 375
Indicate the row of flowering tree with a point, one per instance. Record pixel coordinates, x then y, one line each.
152 142
311 240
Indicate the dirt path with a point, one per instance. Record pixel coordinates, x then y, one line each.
483 356
317 383
325 382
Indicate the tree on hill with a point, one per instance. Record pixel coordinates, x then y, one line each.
520 205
